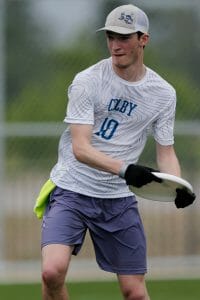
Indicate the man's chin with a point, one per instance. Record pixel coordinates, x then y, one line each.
119 63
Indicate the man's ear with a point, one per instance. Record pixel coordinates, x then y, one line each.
144 39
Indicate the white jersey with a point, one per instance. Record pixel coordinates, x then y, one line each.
122 114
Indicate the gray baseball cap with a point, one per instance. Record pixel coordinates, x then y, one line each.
126 19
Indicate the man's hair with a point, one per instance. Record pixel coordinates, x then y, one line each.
139 34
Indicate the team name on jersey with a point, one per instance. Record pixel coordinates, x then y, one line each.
121 105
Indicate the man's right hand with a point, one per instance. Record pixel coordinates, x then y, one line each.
138 176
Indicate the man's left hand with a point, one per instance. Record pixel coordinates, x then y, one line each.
184 198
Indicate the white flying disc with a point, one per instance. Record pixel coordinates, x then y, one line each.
165 191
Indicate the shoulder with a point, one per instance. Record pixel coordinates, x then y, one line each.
159 84
90 80
94 72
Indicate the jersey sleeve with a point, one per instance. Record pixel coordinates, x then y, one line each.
80 108
163 127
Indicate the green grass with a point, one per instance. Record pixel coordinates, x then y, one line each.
158 290
174 289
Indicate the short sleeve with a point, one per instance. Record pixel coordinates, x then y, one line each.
80 109
163 127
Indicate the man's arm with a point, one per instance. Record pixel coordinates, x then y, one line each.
84 152
167 160
168 163
87 154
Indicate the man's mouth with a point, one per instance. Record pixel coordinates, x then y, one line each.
118 55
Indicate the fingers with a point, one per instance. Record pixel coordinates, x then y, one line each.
155 178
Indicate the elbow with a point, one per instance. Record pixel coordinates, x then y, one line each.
79 152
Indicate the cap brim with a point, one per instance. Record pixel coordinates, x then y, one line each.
117 29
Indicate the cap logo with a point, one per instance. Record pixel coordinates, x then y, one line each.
128 19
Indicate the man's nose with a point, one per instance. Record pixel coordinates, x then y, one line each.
116 44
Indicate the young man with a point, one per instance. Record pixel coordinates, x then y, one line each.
111 107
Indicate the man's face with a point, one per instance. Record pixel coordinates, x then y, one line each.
125 49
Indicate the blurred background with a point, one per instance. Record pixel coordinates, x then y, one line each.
43 44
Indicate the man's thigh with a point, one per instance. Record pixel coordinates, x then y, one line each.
62 222
118 237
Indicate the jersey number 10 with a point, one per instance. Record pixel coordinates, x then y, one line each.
108 129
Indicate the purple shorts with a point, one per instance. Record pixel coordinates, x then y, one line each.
114 225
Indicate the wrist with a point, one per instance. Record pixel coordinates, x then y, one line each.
123 169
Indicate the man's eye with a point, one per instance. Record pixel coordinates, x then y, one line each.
120 38
124 38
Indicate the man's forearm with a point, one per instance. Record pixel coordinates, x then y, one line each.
170 165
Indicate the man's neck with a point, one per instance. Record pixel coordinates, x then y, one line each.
132 73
